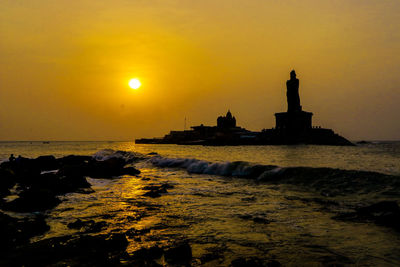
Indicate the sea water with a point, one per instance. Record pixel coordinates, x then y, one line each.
375 156
224 216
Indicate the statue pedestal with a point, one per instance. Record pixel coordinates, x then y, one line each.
293 123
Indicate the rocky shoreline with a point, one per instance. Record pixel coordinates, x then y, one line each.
30 188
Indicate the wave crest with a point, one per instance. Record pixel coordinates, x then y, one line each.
236 168
106 154
328 181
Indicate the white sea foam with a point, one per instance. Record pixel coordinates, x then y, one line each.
237 168
106 154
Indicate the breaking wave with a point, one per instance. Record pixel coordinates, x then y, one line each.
329 181
237 168
106 154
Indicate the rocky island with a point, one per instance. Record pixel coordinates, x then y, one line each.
292 127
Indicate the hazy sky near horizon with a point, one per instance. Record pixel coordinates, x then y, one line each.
65 66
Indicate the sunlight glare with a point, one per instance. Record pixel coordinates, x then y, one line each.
134 83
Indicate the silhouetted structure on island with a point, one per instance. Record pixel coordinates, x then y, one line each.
292 127
226 122
294 120
295 123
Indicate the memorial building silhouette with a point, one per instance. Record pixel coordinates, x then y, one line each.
291 127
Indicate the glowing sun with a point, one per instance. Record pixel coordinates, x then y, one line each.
134 83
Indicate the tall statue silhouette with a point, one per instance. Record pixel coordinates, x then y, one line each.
292 93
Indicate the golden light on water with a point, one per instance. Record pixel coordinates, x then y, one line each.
134 83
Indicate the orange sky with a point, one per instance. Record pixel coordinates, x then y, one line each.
65 66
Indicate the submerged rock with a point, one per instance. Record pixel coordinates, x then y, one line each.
146 254
152 193
261 220
136 232
211 256
89 226
385 213
156 190
146 257
180 253
130 171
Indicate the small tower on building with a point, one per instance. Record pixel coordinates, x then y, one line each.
227 121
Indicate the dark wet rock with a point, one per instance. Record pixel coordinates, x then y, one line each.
167 186
58 184
179 253
7 181
89 226
97 250
45 163
243 262
136 217
148 253
107 168
273 263
74 160
363 142
245 216
76 251
146 257
254 262
160 189
210 257
27 173
4 192
22 168
15 231
38 192
143 262
249 199
135 232
152 193
213 253
156 190
74 170
261 220
256 219
385 213
130 171
32 200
